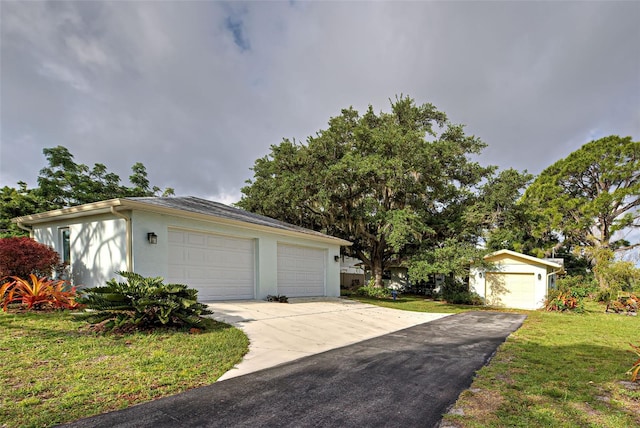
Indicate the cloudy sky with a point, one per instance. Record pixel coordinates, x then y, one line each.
197 91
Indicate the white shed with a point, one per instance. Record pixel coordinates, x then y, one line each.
516 281
224 252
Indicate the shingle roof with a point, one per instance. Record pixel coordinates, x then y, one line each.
206 207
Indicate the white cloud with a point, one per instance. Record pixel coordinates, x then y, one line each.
198 90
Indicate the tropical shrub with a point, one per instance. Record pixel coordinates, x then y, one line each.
564 300
580 286
374 292
37 294
616 277
142 303
457 293
628 304
21 257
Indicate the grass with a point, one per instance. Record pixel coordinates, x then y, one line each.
558 369
54 370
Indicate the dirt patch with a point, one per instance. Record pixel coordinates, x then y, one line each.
474 404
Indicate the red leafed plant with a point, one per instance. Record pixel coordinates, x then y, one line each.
634 371
20 256
38 293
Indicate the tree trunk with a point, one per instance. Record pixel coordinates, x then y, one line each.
377 267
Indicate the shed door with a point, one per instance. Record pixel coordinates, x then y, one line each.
511 290
219 267
301 271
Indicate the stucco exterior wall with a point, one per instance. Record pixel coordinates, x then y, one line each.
478 282
97 247
151 260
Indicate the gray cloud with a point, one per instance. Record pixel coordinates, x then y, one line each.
198 90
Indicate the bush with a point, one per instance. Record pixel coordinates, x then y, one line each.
142 303
374 292
37 294
564 300
21 257
457 293
579 285
570 293
617 277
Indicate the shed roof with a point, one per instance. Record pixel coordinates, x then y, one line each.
525 257
184 206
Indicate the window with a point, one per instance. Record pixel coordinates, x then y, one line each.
65 244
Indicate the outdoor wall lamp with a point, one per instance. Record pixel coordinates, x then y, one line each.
336 258
152 238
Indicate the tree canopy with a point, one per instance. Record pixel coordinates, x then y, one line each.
591 194
590 199
388 182
64 183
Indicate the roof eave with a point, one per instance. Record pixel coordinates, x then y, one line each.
123 203
525 257
139 205
69 212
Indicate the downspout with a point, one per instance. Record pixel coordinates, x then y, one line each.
23 227
486 298
129 243
548 275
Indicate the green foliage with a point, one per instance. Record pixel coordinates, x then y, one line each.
590 195
37 294
563 300
452 258
457 293
66 183
499 218
570 293
580 286
387 182
16 203
373 292
63 183
620 276
142 303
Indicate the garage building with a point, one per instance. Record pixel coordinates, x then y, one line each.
516 280
224 252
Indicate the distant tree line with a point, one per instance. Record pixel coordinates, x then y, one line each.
65 183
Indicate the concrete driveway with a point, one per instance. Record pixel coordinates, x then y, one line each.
280 333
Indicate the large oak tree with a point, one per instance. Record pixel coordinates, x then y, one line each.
388 182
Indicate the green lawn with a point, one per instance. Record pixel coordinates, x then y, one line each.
55 371
560 370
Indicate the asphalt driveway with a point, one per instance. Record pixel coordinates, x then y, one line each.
279 333
408 378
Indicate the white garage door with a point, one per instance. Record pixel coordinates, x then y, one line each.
219 267
301 271
511 290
